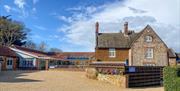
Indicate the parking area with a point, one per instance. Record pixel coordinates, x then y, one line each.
57 81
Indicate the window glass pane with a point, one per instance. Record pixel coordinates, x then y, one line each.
149 53
148 38
112 52
1 58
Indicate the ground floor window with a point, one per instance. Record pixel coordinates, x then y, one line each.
28 62
1 58
9 61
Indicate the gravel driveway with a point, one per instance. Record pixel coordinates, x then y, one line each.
56 81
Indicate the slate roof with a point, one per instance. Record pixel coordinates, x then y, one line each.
115 40
178 55
171 53
36 53
119 40
59 56
6 51
31 51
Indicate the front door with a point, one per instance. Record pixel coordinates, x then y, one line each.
9 65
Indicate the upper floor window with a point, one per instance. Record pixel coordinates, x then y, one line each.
149 53
148 38
112 52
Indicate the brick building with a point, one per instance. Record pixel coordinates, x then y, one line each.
144 48
75 58
32 59
8 59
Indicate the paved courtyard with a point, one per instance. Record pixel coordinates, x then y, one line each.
56 81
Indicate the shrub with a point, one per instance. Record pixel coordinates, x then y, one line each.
171 78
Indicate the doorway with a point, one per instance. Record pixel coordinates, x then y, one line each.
9 64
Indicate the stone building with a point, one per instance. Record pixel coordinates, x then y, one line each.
144 48
172 57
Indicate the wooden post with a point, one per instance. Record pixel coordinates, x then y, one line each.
4 63
37 64
14 63
47 65
127 81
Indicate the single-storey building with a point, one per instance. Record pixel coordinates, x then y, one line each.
75 58
172 57
8 59
31 59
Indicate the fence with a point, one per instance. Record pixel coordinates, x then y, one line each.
143 76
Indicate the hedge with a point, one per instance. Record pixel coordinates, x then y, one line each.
171 76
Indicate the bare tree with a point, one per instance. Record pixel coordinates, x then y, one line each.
30 44
55 50
11 32
42 46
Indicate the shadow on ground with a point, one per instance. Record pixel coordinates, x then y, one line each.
148 87
16 77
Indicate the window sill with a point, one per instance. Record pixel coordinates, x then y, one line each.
112 56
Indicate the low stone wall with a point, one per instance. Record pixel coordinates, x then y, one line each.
118 80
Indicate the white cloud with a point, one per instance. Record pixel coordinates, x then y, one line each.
33 9
21 8
7 8
20 3
164 17
66 19
35 1
137 10
40 27
75 8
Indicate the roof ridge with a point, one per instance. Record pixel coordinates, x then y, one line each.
29 50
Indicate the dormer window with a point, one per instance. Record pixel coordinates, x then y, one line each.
148 39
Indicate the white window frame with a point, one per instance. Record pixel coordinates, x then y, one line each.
149 53
112 52
148 38
9 61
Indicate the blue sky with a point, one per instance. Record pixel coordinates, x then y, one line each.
69 24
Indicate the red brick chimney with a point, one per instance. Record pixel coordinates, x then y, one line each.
96 32
97 27
126 28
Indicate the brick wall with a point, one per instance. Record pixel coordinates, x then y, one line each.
103 54
4 63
